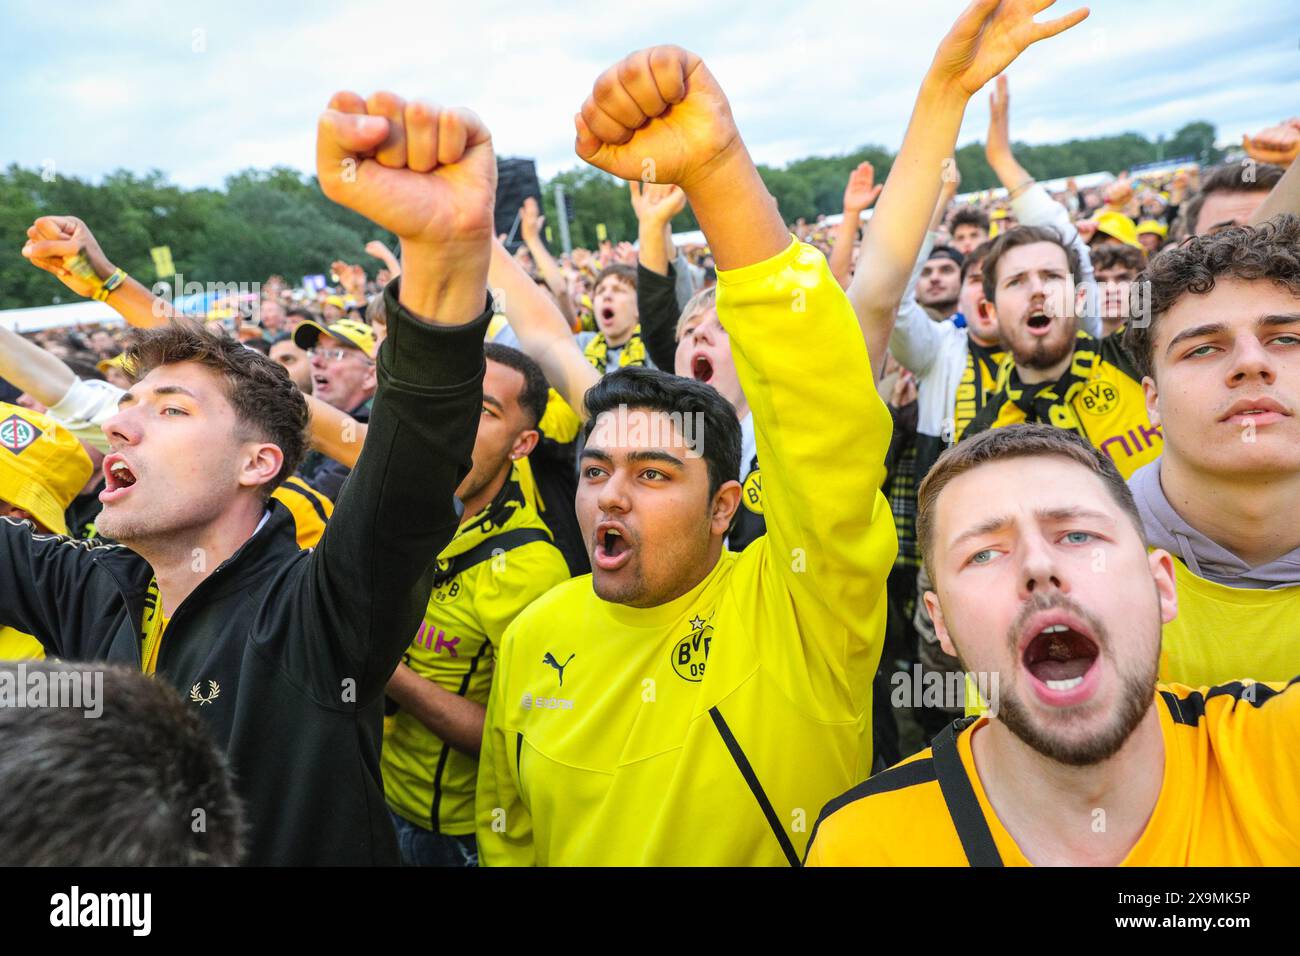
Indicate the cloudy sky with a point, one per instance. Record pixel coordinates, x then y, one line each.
200 90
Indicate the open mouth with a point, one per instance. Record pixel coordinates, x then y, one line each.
1061 658
1039 322
702 368
613 549
118 477
319 381
607 315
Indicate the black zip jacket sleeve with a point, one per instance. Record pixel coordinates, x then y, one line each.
369 580
282 653
658 312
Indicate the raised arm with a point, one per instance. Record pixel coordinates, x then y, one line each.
531 222
986 38
53 240
428 175
381 252
542 331
1030 201
655 205
859 195
27 366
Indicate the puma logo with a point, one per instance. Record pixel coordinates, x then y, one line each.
550 659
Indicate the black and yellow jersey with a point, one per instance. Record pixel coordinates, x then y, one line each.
1228 797
1100 397
310 509
496 566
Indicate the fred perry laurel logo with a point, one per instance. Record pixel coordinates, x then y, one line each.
214 691
17 434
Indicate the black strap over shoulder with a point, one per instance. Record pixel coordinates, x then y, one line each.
963 805
498 543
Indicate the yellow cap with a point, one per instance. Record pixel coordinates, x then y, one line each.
349 330
1152 226
42 466
117 361
1118 226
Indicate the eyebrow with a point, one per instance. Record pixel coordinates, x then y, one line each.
1216 328
128 397
492 401
1045 515
635 457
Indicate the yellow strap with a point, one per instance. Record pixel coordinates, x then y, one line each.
154 624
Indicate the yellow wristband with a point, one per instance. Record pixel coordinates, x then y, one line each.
109 284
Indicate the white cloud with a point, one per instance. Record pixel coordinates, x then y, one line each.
126 87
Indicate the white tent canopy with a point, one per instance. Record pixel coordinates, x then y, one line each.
59 316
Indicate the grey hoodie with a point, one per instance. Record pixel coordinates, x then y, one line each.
1167 529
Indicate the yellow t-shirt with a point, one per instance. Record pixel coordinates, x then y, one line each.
425 781
706 731
1223 634
1228 796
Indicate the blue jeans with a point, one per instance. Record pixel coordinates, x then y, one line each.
421 847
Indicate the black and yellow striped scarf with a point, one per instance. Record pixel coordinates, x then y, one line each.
978 384
1050 403
597 351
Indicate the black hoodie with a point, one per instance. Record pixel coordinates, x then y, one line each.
285 653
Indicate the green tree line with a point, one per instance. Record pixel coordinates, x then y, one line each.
277 221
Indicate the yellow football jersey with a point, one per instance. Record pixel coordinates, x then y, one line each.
426 781
1228 798
706 731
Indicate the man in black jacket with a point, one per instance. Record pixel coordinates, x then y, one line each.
285 654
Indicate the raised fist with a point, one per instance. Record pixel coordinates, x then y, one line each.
657 116
51 238
989 35
422 171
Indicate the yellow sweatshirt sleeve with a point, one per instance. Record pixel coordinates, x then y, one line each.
822 434
503 823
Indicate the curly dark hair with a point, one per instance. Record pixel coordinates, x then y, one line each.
1269 252
267 403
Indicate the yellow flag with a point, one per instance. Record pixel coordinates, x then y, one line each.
162 261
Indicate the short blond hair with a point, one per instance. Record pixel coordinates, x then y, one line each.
701 301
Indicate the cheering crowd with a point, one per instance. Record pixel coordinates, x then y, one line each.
955 535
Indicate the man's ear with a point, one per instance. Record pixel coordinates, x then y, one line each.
524 444
940 626
1152 395
262 465
725 503
372 376
1162 570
